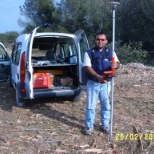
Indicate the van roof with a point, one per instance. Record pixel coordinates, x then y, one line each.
54 34
25 37
22 37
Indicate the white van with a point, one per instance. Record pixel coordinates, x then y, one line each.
48 64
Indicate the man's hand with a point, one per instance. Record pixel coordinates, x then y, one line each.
115 65
101 80
95 75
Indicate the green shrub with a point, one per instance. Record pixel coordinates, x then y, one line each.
132 52
8 37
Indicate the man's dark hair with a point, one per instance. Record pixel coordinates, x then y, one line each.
101 33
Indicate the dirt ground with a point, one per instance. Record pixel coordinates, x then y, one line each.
53 125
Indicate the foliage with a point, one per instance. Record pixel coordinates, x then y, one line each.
38 13
68 15
132 52
8 37
134 19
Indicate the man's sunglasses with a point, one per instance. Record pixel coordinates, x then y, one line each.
100 39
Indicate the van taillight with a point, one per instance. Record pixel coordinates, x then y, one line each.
22 68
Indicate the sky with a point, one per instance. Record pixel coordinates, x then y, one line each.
9 15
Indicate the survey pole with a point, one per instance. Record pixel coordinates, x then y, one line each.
114 5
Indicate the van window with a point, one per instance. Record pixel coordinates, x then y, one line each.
3 56
59 51
38 53
72 49
16 54
64 50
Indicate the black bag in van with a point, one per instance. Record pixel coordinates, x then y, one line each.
57 81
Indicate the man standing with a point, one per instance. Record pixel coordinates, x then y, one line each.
96 61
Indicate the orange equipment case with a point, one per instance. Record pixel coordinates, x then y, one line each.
41 80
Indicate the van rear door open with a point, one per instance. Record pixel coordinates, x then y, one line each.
29 69
83 46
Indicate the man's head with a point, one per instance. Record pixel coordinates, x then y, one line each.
101 40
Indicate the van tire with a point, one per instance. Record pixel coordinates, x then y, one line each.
19 102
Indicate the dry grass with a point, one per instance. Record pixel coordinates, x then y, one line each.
54 125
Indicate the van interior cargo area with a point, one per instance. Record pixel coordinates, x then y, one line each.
59 76
55 59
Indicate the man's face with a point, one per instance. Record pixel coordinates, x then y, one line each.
100 41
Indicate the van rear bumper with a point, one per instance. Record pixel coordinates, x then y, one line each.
40 93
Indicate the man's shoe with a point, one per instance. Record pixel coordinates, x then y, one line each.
87 131
105 130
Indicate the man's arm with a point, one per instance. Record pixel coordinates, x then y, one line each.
116 64
95 75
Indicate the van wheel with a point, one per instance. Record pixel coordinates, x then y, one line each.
19 102
76 97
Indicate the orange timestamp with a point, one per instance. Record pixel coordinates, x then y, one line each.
121 136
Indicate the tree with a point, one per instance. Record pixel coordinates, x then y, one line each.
89 15
135 21
8 37
134 18
68 15
38 13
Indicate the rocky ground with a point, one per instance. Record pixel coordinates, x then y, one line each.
54 125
